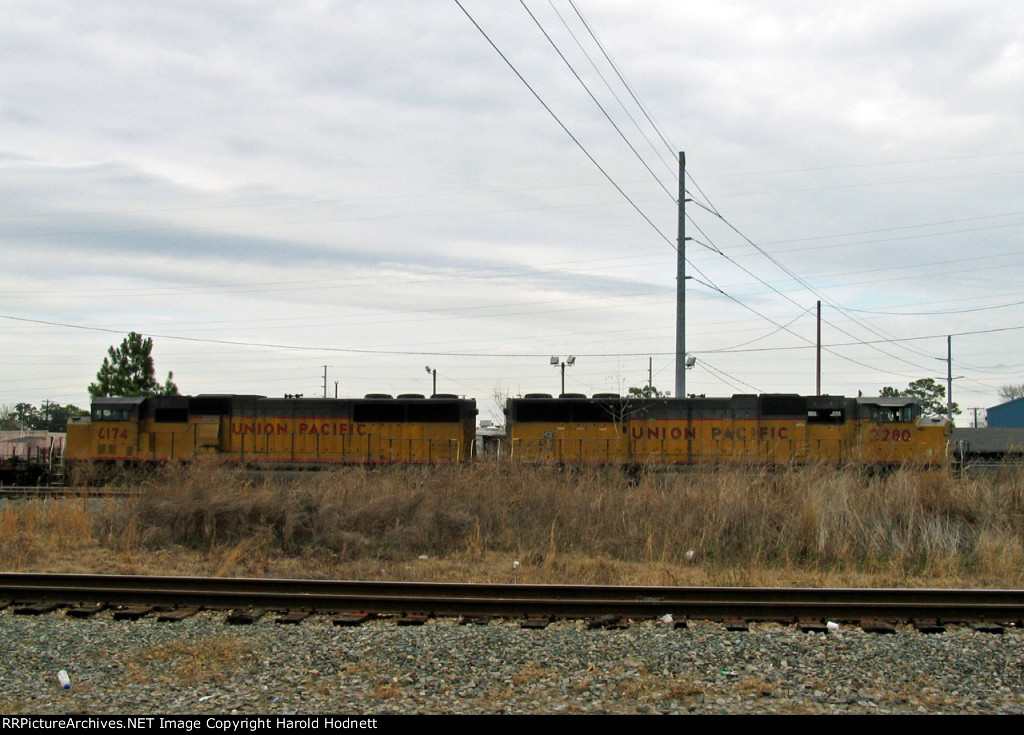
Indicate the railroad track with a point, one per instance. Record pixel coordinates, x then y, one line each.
918 606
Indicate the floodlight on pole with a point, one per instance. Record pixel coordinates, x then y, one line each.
570 361
434 373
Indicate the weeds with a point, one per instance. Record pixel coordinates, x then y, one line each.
704 525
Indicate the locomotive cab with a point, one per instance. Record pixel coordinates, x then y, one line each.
892 430
890 410
110 433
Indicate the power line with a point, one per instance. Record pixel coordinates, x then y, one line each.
671 169
355 350
564 128
670 148
595 100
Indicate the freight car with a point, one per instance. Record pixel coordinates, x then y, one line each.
977 448
275 432
751 429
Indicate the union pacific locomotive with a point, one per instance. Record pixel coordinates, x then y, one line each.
751 429
280 432
571 429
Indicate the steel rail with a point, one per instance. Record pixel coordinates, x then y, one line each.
514 600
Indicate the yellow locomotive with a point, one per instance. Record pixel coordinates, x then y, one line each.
278 432
573 429
750 429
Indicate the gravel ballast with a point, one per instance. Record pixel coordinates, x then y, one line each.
202 665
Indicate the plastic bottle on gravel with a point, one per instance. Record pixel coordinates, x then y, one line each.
64 679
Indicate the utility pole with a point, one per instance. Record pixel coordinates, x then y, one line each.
817 385
681 284
949 378
325 381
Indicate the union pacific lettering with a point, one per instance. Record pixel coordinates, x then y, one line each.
660 432
762 433
311 428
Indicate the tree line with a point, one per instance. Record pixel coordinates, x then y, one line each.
51 417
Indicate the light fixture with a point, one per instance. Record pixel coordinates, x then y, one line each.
434 373
556 361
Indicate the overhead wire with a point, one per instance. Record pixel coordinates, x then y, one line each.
604 112
562 125
710 207
609 87
324 348
707 279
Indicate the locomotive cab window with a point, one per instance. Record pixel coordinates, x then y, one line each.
117 409
111 414
826 416
892 414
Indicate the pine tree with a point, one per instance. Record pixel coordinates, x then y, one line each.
128 370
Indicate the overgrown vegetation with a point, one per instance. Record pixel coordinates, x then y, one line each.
812 525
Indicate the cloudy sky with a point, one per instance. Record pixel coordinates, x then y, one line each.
270 188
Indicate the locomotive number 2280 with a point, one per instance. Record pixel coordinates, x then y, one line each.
890 435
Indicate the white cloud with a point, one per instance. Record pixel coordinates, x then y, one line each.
373 176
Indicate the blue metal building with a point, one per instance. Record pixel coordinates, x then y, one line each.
1007 415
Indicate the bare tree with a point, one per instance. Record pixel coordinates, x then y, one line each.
497 410
1011 392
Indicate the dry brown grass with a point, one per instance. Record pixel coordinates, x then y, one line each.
735 526
211 661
